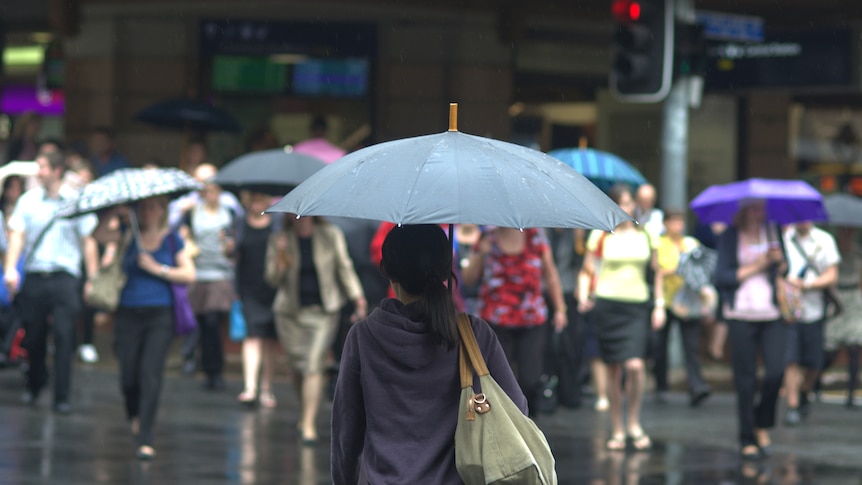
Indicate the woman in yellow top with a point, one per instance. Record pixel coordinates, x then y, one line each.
670 247
622 309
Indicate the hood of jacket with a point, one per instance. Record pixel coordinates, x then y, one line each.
403 339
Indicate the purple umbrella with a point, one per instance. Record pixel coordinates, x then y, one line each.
787 201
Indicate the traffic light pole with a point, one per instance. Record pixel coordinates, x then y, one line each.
674 141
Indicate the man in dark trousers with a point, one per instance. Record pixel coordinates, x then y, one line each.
52 272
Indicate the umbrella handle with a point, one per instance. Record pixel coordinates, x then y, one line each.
136 229
453 116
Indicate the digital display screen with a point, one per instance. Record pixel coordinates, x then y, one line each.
312 77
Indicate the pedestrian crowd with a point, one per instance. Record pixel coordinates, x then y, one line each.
556 312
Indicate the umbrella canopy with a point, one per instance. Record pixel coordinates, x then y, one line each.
844 210
601 168
272 172
129 185
787 201
189 114
453 178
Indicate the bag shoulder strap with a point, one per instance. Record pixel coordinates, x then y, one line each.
470 357
38 242
808 260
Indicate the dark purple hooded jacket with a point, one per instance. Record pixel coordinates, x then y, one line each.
396 400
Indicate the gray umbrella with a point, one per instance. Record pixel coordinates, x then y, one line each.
843 210
272 172
128 185
451 178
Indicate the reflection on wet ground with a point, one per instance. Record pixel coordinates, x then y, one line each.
206 438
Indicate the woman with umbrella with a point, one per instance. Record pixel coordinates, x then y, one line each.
393 406
260 346
845 330
750 258
144 323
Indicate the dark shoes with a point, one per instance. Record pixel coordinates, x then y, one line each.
188 366
215 383
699 396
29 398
804 404
793 417
62 407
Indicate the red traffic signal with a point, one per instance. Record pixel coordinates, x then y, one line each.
627 10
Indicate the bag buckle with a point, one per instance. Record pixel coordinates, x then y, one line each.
477 403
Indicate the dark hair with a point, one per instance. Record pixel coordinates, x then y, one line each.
419 258
319 124
56 160
7 182
617 190
674 214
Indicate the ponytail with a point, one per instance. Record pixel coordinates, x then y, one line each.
419 258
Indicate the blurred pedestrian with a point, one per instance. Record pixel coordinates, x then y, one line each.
646 212
13 188
212 227
180 207
751 257
467 236
812 260
565 355
623 308
78 175
144 322
54 249
393 413
845 330
671 247
23 143
318 145
195 154
511 265
309 265
260 346
103 150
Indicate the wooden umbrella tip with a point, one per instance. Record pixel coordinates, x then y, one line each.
453 116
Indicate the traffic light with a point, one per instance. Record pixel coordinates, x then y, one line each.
642 68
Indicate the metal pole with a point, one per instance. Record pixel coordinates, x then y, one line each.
674 141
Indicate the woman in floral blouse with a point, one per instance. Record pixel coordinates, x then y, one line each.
511 266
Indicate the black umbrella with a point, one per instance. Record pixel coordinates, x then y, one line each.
189 114
273 172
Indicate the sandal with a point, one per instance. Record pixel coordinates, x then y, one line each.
146 453
267 399
616 443
640 441
247 397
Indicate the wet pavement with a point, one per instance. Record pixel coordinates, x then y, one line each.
207 438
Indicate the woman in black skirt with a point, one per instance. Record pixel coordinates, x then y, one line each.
261 343
623 305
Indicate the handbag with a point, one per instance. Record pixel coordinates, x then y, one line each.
185 322
107 285
237 321
494 442
789 300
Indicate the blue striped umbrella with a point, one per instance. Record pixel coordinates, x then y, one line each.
601 168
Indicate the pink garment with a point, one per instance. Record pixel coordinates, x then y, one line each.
320 148
754 299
